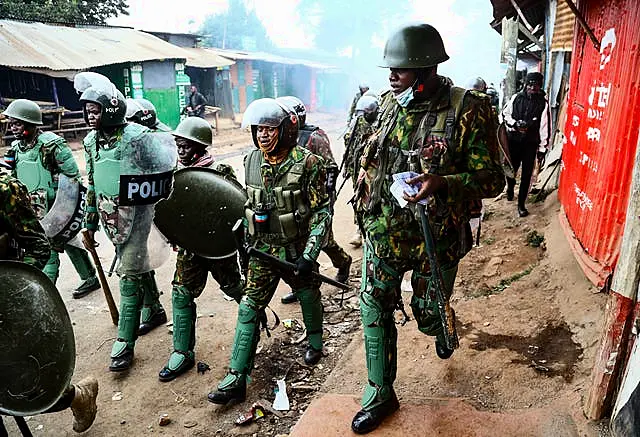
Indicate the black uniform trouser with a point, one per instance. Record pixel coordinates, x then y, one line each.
522 152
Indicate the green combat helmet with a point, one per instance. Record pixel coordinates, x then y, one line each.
195 129
416 46
24 110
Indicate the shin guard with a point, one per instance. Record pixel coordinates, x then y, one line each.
80 260
131 291
312 315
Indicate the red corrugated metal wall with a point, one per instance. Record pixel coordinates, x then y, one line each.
602 132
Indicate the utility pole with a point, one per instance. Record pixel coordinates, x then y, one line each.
509 56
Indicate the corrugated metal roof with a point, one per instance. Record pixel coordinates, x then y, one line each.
562 40
39 45
268 57
205 58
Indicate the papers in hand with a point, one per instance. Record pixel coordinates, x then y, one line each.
400 186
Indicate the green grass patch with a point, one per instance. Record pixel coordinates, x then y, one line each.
535 239
504 283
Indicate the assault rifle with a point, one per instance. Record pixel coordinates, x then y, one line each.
444 307
247 251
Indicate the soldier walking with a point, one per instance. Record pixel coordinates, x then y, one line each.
317 142
193 136
288 216
39 159
446 135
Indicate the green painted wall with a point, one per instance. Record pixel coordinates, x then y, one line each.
166 103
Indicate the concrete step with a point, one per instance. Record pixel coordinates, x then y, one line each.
329 415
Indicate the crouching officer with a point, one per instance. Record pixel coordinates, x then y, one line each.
129 169
193 135
288 216
316 141
40 159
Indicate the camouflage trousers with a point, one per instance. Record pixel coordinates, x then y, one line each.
339 258
192 271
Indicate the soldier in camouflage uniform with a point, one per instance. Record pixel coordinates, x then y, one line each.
108 148
447 136
143 112
22 239
317 142
363 88
288 216
40 157
361 128
193 136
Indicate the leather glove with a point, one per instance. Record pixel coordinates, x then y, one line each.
304 267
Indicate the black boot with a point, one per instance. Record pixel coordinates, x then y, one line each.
86 287
157 319
289 298
442 350
122 362
522 211
343 272
366 421
312 356
167 374
232 390
511 184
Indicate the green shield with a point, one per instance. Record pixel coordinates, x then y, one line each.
36 340
200 211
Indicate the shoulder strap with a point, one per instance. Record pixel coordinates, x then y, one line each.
253 175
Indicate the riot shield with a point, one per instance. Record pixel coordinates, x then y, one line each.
37 346
200 212
64 219
147 161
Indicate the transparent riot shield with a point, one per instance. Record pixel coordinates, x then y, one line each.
147 161
64 220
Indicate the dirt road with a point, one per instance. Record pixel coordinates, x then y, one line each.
528 323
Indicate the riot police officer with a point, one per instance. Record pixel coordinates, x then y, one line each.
287 216
39 160
193 136
129 169
143 112
445 135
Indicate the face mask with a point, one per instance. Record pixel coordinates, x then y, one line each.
405 97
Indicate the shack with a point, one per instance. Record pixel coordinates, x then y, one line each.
39 61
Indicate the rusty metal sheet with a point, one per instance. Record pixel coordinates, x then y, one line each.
205 58
601 131
45 46
563 25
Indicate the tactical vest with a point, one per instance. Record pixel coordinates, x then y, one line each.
107 162
278 215
30 168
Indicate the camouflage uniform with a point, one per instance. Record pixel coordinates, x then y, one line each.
263 277
317 142
354 142
21 235
38 165
453 134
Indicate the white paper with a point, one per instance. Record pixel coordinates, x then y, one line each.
399 187
281 402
